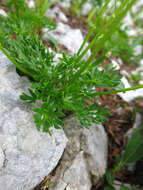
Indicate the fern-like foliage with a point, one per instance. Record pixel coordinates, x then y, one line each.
21 21
58 90
71 84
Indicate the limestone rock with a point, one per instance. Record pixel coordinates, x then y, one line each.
2 158
84 159
56 12
30 3
86 8
130 95
26 155
117 185
67 36
74 175
3 13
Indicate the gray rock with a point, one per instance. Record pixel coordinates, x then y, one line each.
2 158
84 159
117 185
138 50
56 12
3 13
65 35
130 95
115 64
65 3
86 8
30 3
26 155
74 175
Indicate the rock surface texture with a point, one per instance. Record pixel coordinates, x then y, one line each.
130 95
70 38
26 155
84 160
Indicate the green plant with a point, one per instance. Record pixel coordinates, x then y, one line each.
136 16
136 77
120 44
42 5
71 84
76 6
21 21
132 153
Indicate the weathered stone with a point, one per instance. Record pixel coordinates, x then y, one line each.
56 12
117 185
3 13
26 155
77 176
2 158
86 8
65 35
85 157
115 64
130 95
30 3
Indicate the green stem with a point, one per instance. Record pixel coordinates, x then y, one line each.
116 91
118 167
93 27
47 4
115 22
115 4
111 30
16 64
43 8
38 5
102 30
91 14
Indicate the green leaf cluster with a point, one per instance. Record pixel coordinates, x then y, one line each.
21 21
58 90
71 83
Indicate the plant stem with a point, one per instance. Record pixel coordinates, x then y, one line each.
94 26
116 91
111 30
102 30
100 43
91 14
43 8
121 164
25 71
47 4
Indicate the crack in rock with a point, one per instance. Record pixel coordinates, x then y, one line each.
3 160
